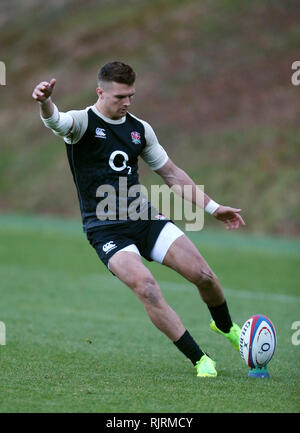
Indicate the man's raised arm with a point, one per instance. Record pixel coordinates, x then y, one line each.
60 123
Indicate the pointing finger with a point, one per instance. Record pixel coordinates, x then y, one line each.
241 220
53 82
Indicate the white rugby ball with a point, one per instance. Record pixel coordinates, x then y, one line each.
257 341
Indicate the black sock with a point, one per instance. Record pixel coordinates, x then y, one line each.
221 316
188 346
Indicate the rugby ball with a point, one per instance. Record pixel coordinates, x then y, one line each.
257 341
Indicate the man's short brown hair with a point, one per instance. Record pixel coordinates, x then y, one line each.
118 72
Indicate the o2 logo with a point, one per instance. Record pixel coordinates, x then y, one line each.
296 334
118 161
295 78
265 347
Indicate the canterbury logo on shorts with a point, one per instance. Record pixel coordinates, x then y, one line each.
109 246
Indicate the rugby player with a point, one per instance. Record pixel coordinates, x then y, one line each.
103 143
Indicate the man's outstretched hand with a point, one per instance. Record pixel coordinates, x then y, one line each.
43 90
230 216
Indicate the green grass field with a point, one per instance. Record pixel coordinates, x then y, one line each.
77 339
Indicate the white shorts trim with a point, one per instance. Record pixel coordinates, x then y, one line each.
167 236
132 248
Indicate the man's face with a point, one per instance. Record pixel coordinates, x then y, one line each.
115 98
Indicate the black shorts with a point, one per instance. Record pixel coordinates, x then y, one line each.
108 239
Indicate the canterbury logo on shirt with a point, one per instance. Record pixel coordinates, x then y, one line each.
100 133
